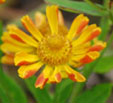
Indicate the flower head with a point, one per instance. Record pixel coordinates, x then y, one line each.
51 46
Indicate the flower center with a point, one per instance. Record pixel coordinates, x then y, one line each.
54 50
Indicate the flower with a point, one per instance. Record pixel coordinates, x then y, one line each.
52 47
2 1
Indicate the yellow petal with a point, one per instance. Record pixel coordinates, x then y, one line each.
29 70
14 31
77 26
43 77
7 47
23 58
88 34
47 71
40 19
90 56
8 39
29 25
74 75
60 18
56 76
52 16
8 59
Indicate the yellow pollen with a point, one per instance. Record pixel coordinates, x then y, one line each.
54 50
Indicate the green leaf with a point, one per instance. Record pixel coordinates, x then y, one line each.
3 96
81 7
41 95
105 26
98 94
63 91
104 65
13 90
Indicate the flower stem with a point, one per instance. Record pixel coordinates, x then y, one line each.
87 70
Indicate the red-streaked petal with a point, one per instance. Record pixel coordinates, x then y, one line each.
90 56
8 39
23 58
20 35
16 38
31 27
82 25
74 75
41 81
94 34
96 48
58 77
13 48
78 24
8 59
87 35
27 71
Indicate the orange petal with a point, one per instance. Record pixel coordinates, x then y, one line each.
31 27
90 56
74 75
98 45
23 58
27 71
97 48
8 59
77 26
16 38
12 48
8 39
82 25
58 77
41 81
22 36
88 34
94 34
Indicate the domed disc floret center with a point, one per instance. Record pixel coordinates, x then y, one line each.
54 50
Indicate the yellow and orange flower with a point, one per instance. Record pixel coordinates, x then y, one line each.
51 46
2 1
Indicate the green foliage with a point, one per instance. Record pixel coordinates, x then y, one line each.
98 94
13 89
104 65
105 26
63 91
3 96
41 96
81 7
9 87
